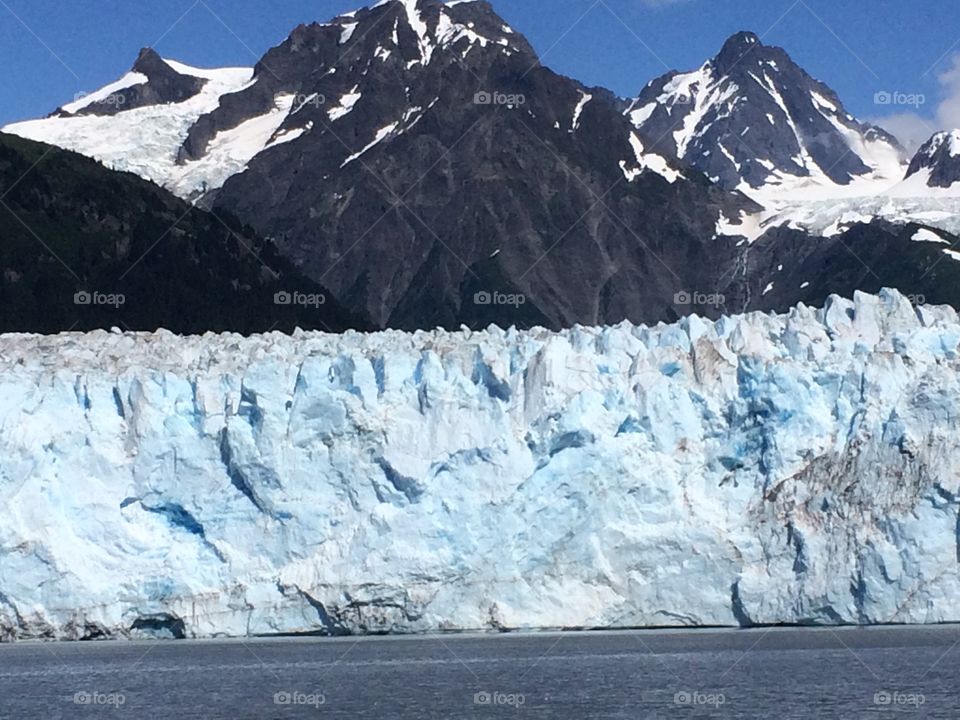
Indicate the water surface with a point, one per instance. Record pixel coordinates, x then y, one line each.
778 673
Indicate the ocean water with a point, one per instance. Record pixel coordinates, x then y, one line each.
776 673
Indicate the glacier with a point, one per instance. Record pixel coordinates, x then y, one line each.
798 468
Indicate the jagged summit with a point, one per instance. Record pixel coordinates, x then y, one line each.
751 118
414 156
413 4
736 48
151 64
447 107
151 81
937 162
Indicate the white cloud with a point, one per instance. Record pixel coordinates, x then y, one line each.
914 128
910 129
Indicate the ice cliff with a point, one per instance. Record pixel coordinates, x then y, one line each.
760 469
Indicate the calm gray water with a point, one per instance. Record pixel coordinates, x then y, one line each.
816 673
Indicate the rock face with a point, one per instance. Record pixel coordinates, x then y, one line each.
760 469
86 248
416 159
786 266
413 157
397 194
151 81
751 117
937 162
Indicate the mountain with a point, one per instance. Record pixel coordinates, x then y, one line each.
795 469
128 135
85 247
751 118
787 266
416 159
406 154
937 162
442 142
151 81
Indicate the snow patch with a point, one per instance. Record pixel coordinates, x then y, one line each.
230 150
647 161
347 32
381 134
925 235
131 79
346 104
585 97
144 141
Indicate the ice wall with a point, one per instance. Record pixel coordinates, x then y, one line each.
760 469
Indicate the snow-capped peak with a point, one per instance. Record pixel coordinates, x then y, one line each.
128 132
436 24
751 119
937 163
949 141
164 120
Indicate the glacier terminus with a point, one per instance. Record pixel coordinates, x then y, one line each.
801 468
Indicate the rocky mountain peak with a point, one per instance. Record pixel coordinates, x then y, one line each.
751 118
149 63
735 49
939 160
151 81
416 159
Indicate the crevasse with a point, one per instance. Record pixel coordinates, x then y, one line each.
760 469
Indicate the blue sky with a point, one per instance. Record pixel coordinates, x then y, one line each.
50 49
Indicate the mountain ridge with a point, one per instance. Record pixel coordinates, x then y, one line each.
417 158
86 248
